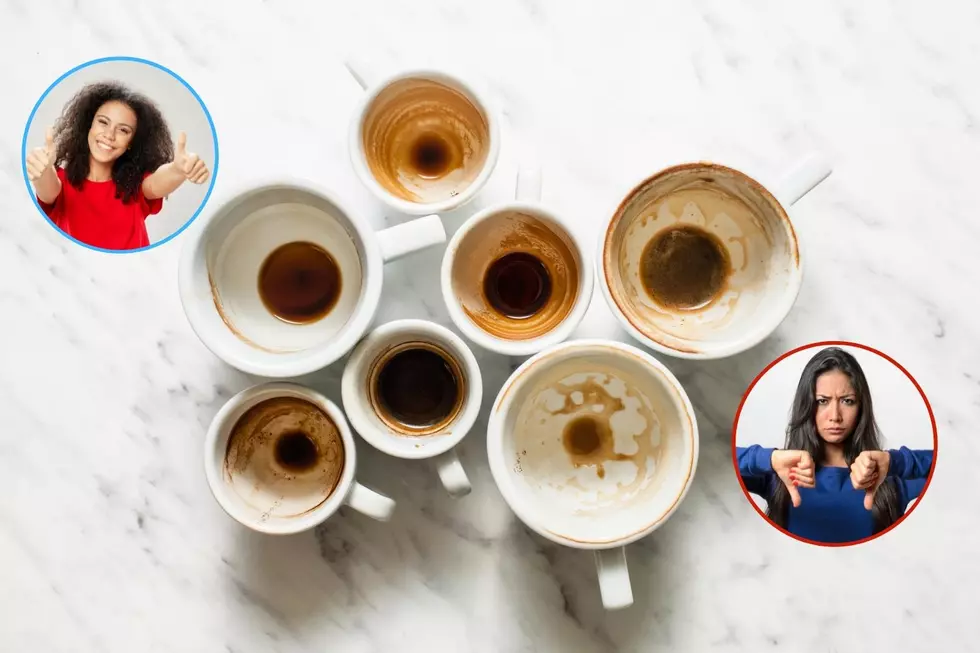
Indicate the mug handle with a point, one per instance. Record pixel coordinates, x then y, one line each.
360 69
528 184
410 237
370 503
802 178
614 578
452 474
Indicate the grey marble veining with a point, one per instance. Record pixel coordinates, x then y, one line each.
109 538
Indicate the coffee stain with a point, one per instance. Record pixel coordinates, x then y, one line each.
685 268
253 453
219 307
399 427
515 232
424 141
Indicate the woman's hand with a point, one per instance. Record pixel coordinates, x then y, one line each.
40 164
188 163
795 469
868 472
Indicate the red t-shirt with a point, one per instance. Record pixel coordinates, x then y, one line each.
94 215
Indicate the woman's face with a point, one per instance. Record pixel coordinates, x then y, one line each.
111 132
837 406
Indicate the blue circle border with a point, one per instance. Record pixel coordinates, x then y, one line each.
30 119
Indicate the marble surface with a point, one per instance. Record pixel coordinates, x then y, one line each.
109 538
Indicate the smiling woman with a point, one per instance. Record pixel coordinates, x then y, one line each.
832 481
107 164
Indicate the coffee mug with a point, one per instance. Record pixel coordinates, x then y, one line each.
280 459
283 279
701 261
594 444
514 277
423 141
413 389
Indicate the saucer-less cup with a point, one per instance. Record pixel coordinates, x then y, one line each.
285 507
219 268
522 226
423 141
761 243
436 443
594 444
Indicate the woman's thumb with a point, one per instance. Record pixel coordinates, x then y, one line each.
869 497
49 139
794 494
182 142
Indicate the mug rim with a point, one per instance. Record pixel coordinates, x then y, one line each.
219 432
357 362
503 404
562 331
359 161
731 347
193 263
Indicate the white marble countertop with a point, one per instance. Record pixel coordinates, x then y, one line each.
109 538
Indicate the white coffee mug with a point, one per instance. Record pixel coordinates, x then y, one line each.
427 193
522 225
266 509
594 444
765 256
436 442
220 264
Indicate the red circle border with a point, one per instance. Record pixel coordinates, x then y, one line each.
831 343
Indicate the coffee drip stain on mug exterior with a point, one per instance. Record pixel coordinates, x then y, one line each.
515 276
416 388
745 223
299 282
423 141
285 457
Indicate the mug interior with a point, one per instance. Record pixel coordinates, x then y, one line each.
425 138
359 390
746 220
646 455
248 481
517 229
240 239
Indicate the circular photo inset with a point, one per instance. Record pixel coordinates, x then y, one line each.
834 443
120 154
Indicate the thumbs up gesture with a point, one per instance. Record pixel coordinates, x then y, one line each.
188 163
868 471
42 159
795 469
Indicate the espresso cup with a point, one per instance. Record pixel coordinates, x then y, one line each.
413 389
701 261
282 279
594 444
423 141
280 459
514 277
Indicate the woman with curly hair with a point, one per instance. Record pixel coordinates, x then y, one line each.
107 164
833 482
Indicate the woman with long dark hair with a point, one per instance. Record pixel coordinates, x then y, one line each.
107 165
833 482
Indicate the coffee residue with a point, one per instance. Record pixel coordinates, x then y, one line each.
417 388
517 285
685 267
296 451
299 282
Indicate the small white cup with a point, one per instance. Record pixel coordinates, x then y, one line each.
766 259
219 268
489 233
258 510
438 444
650 447
459 193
